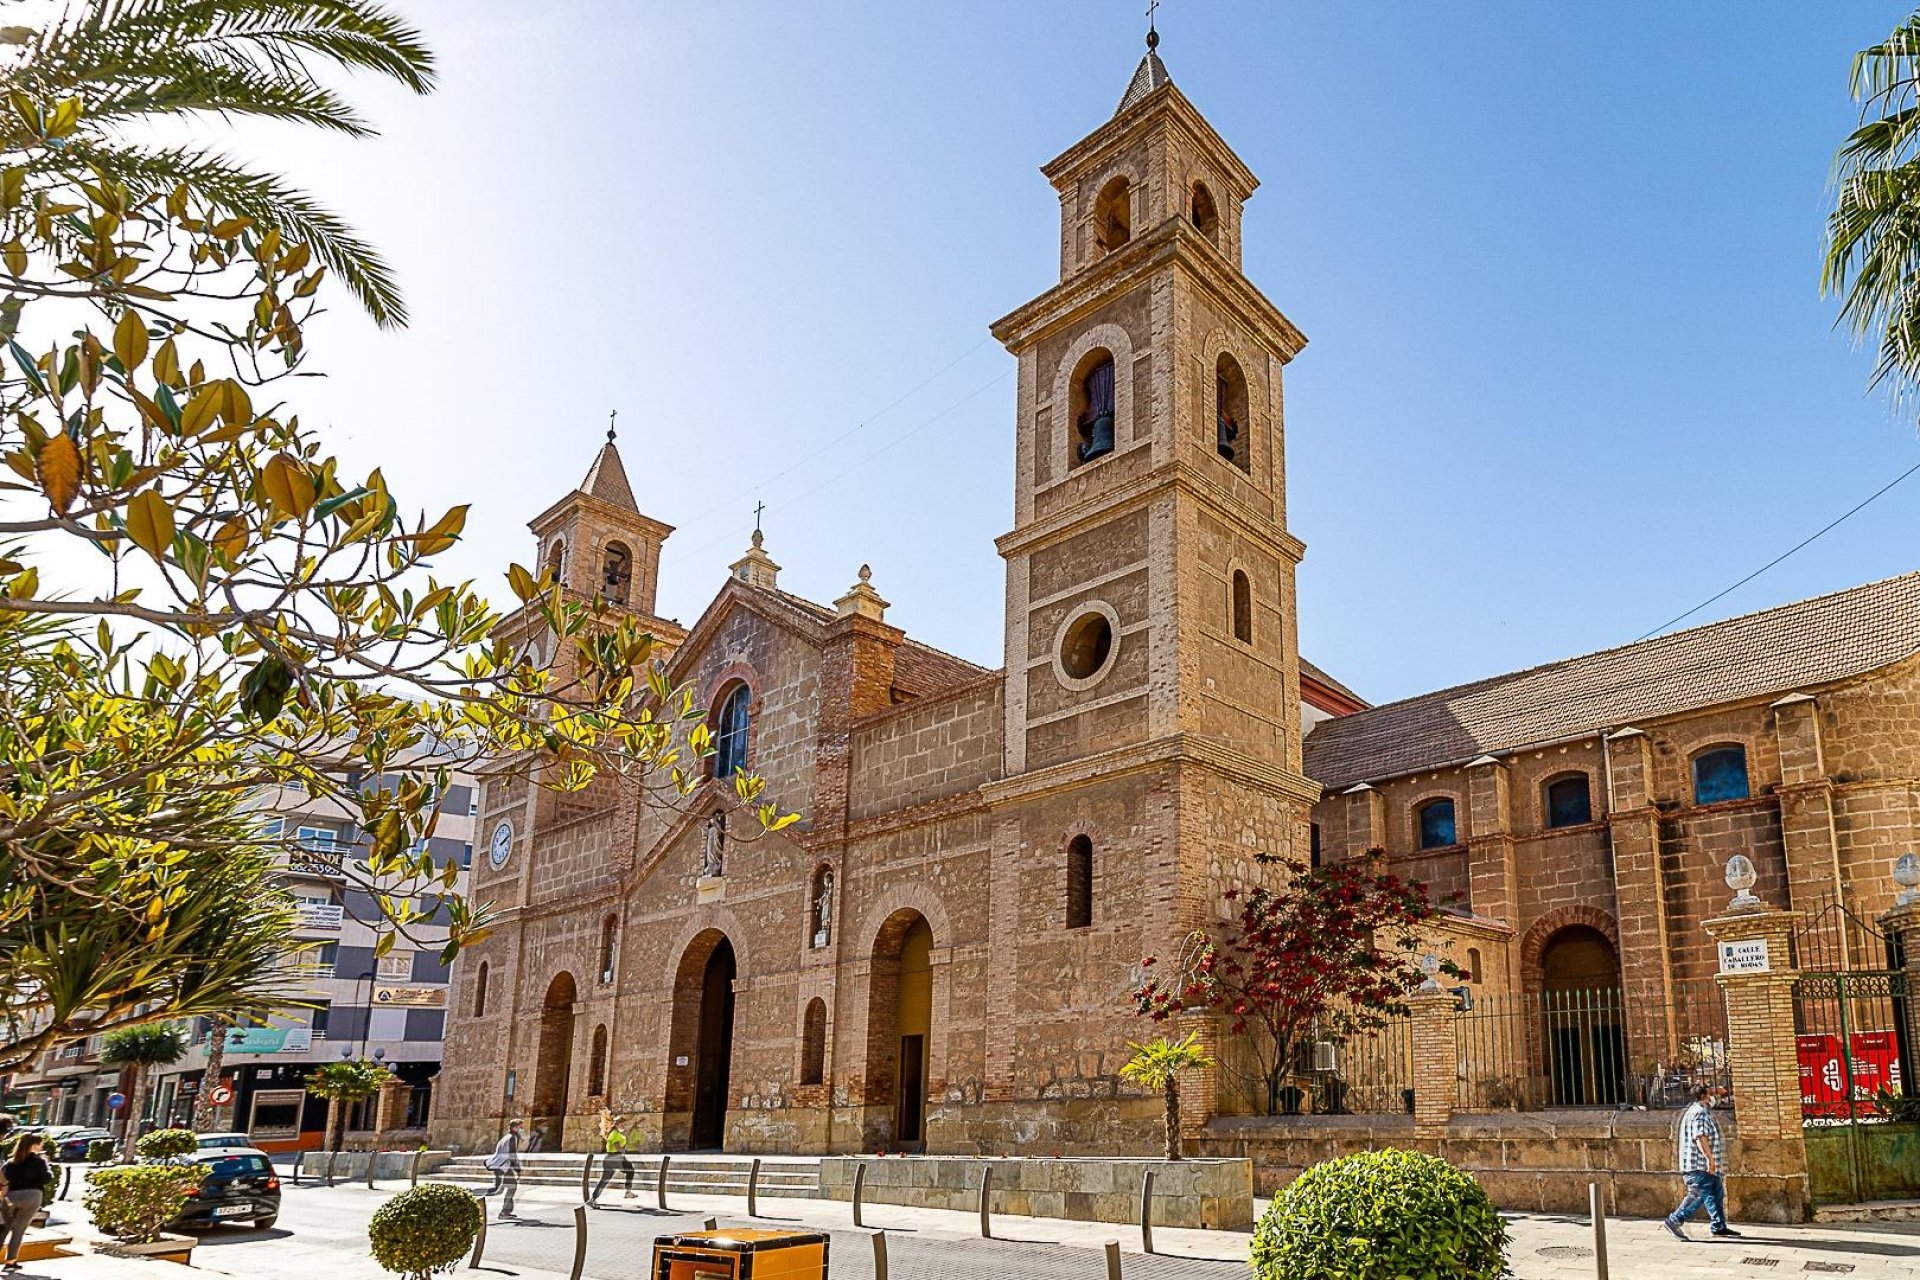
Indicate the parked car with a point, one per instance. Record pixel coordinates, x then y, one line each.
68 1143
240 1186
210 1140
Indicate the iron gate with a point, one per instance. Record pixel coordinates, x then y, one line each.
1854 1037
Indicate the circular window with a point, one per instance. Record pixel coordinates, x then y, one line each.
1085 648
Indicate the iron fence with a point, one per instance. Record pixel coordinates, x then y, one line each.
1332 1072
1591 1048
1853 1036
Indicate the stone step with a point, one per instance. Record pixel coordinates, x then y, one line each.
687 1175
1869 1211
39 1244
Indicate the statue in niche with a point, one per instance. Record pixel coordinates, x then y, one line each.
823 909
713 854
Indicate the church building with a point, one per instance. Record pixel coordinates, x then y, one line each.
940 955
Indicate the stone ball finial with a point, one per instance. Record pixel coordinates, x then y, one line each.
866 573
759 539
1906 874
1741 877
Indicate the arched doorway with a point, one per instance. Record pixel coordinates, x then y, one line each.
1585 1044
900 1026
700 1045
555 1061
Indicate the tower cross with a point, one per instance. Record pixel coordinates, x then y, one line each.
611 418
1151 6
758 507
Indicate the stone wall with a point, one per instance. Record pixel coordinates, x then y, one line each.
1538 1162
1210 1194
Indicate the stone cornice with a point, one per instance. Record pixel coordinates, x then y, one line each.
919 815
1179 748
1174 242
1165 105
1176 476
610 512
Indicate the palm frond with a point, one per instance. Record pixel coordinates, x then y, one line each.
270 202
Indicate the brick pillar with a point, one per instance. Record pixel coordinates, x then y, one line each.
1767 1174
1436 1061
1493 886
390 1112
1806 814
1640 900
1366 821
856 679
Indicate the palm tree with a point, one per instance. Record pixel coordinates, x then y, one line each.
130 62
157 1044
1873 234
216 1059
1157 1065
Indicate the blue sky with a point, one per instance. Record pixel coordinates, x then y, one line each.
1569 371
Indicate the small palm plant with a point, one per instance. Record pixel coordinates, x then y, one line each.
155 1044
1157 1064
340 1083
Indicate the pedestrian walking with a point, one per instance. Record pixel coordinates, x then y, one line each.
504 1164
615 1144
1703 1165
26 1177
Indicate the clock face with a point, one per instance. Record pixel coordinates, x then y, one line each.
502 846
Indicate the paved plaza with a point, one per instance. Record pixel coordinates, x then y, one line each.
322 1233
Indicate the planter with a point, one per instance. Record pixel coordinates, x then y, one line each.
168 1248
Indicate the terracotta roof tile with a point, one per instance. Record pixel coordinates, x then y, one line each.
1794 646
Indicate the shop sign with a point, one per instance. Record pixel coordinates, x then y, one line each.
414 997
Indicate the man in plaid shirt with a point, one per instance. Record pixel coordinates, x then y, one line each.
1703 1164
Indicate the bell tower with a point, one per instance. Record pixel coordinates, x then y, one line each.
596 541
1150 574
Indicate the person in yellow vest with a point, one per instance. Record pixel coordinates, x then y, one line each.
615 1161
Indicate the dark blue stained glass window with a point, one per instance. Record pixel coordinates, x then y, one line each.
1569 801
730 734
1720 774
1436 824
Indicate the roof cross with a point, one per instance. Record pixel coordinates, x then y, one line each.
610 423
758 507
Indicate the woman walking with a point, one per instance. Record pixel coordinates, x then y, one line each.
27 1176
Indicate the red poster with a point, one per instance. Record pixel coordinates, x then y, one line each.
1823 1068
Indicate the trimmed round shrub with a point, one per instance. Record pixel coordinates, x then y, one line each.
135 1202
1380 1215
164 1144
426 1229
100 1150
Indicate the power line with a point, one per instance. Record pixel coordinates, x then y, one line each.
854 430
683 554
1866 502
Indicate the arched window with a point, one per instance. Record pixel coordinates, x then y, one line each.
1079 882
820 908
813 1043
1092 404
1569 801
616 572
1206 217
730 726
1230 413
597 1063
1720 774
1435 821
609 929
1113 215
1313 845
1473 964
480 991
1242 607
557 559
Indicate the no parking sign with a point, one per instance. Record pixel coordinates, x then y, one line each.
222 1093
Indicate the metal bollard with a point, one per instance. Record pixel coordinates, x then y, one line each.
1113 1260
299 1163
373 1158
330 1156
579 1238
879 1255
753 1188
661 1188
1598 1210
859 1189
413 1170
479 1240
1146 1212
586 1176
986 1193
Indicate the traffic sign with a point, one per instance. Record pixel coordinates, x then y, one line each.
222 1094
115 1101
